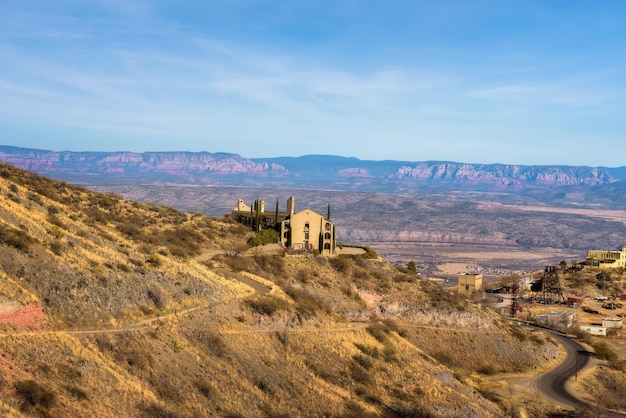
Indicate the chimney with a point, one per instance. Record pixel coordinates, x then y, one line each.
290 205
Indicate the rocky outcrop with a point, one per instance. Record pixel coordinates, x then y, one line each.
170 163
308 171
504 175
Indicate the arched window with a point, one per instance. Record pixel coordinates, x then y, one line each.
327 235
327 226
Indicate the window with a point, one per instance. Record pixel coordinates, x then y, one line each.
327 226
327 235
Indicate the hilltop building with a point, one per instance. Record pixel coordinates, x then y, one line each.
305 230
255 215
469 283
606 259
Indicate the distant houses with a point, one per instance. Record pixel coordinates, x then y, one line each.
298 231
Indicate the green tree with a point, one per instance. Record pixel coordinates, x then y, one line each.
412 267
264 236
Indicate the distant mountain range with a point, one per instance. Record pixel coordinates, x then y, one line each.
312 171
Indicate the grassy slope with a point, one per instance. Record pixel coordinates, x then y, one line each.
99 263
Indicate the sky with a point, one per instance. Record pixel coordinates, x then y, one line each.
484 81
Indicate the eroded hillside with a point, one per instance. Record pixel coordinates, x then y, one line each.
107 311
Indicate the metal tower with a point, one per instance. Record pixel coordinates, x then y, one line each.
515 305
551 292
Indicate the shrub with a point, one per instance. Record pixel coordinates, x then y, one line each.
77 392
177 346
57 247
264 236
34 395
342 264
16 238
307 304
359 373
487 369
155 260
53 210
158 298
368 350
604 352
206 389
363 361
443 358
267 305
154 410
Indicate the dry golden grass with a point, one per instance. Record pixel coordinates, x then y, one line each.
138 326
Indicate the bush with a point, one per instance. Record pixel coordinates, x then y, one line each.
34 395
154 410
158 298
267 305
206 389
604 352
77 392
155 260
264 236
307 304
16 238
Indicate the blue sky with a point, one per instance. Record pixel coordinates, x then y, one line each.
481 81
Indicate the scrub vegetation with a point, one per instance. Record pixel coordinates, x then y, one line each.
147 311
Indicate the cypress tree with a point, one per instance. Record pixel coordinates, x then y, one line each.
276 214
258 215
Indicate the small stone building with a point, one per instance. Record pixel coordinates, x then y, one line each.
612 323
557 320
593 329
469 283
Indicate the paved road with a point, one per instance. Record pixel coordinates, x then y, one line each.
553 384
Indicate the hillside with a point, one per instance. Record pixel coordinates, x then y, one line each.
106 310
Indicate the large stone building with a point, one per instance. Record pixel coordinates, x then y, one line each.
307 230
608 259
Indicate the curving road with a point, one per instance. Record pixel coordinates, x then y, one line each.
553 384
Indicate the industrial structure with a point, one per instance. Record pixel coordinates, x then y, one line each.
551 292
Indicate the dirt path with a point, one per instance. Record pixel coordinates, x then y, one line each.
258 288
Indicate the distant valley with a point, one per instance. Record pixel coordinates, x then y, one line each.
428 211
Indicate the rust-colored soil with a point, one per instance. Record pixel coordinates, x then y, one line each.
30 316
